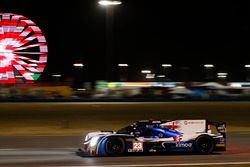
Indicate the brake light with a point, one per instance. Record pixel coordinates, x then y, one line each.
208 127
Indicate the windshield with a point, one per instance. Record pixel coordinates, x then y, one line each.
126 130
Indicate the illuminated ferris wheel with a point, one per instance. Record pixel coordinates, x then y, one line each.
23 49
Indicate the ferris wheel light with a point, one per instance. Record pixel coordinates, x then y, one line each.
28 73
19 76
23 49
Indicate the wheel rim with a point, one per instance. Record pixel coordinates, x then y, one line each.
115 147
204 145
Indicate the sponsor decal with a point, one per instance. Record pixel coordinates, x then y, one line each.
181 144
193 122
152 150
177 138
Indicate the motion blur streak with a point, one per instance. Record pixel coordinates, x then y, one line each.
60 151
186 164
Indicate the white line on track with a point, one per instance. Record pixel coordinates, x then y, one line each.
49 148
184 164
30 151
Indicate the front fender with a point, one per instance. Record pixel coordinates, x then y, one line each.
101 151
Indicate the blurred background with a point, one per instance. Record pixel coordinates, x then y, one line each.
128 91
136 49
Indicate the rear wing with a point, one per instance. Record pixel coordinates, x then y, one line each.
220 127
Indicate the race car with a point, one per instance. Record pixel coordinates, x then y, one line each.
157 136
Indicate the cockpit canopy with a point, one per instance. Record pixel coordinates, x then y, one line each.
148 128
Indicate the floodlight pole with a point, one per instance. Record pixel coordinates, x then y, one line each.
109 6
109 43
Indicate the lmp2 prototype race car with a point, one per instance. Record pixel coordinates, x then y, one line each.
156 136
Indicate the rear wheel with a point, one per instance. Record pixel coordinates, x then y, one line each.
115 146
204 144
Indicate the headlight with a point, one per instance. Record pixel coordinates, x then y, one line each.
93 141
86 138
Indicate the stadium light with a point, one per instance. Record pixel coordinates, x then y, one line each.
161 76
222 74
150 76
123 65
56 75
208 65
123 73
145 71
166 65
78 65
81 89
109 3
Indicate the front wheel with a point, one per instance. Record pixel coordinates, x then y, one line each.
204 144
115 146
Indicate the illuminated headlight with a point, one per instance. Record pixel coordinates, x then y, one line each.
86 138
93 141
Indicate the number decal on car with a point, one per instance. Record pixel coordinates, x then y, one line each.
137 146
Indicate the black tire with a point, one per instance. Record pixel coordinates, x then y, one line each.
204 144
115 146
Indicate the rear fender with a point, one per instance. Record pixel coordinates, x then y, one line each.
220 142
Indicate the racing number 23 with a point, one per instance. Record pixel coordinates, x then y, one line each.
138 146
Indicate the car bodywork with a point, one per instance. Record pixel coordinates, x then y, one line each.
157 136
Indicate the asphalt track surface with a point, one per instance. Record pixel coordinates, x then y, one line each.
60 151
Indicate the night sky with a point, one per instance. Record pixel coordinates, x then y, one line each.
147 33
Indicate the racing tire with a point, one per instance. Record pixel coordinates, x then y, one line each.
115 146
204 144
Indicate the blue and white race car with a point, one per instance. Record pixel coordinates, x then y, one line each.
156 136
